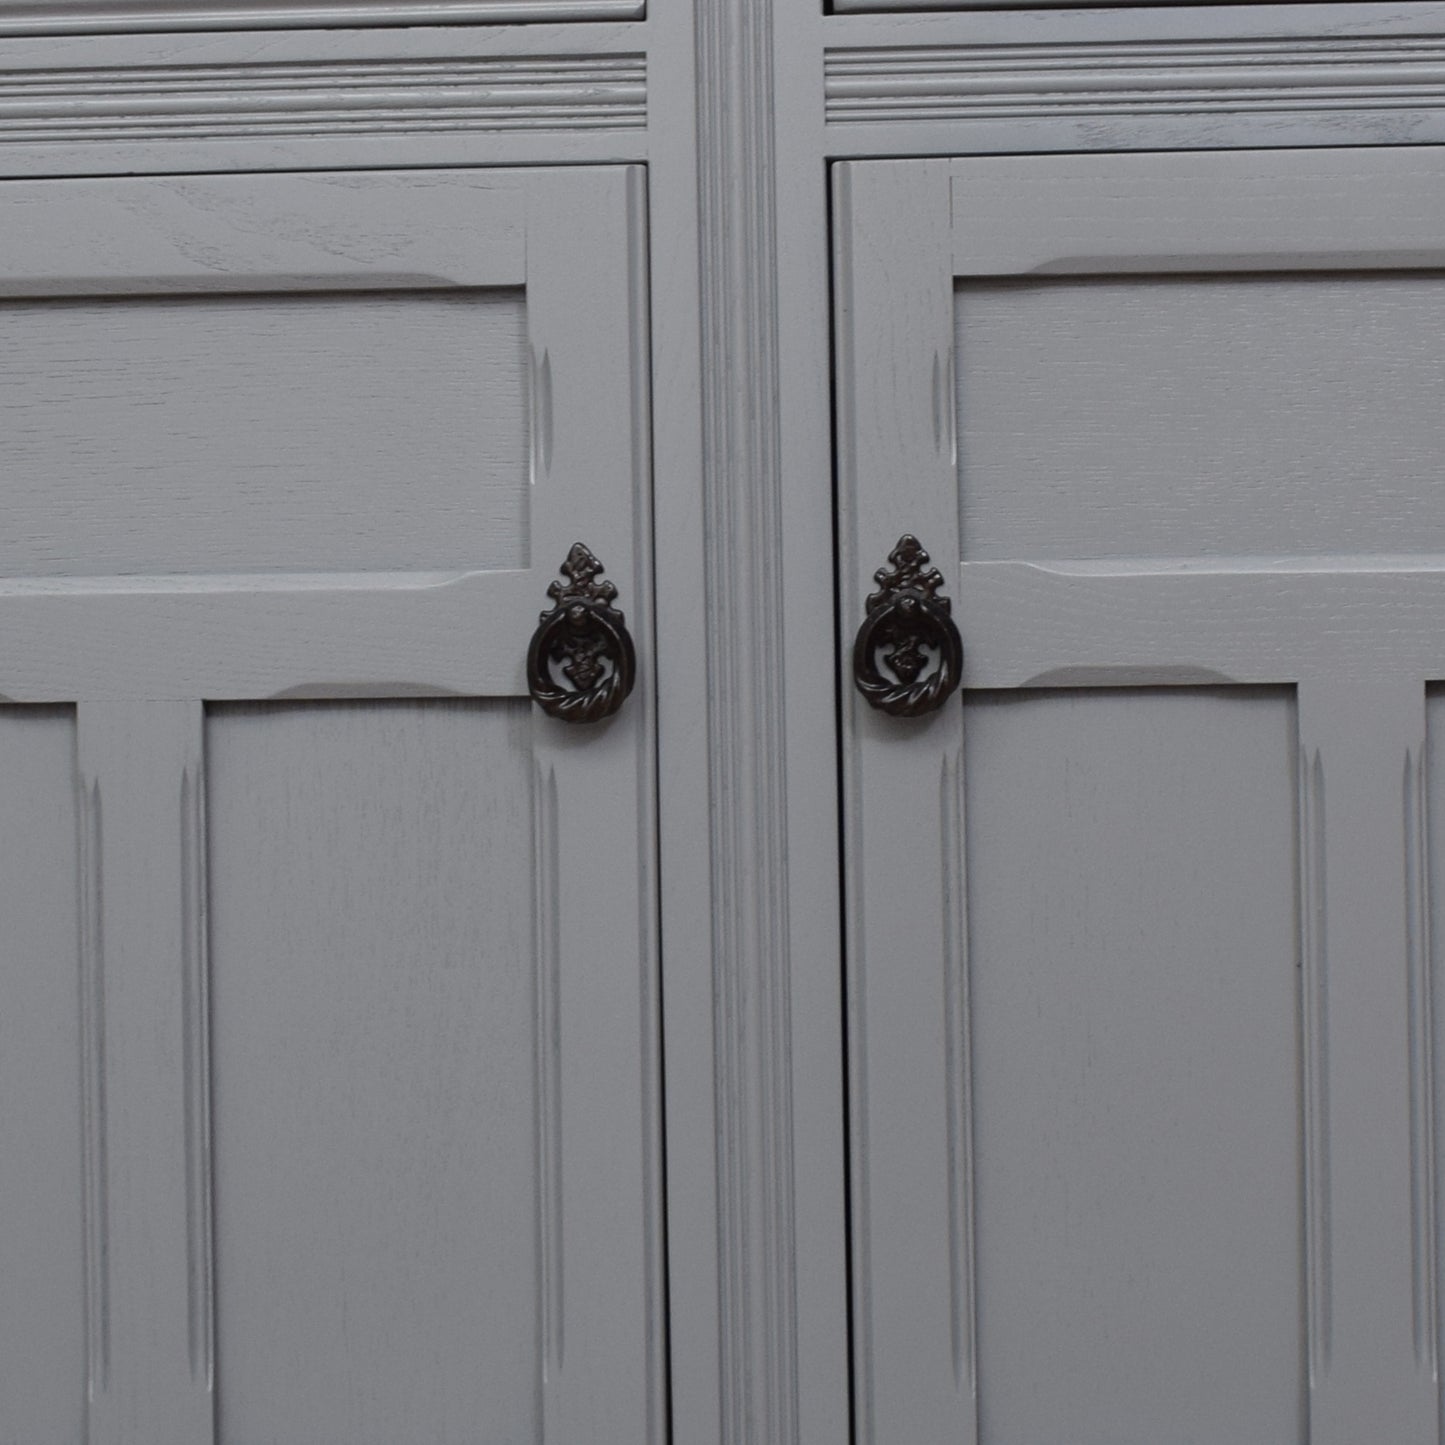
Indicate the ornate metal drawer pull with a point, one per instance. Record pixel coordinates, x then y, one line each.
909 626
583 638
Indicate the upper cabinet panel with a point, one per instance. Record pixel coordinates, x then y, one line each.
88 17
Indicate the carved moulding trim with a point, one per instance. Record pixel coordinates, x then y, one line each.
742 500
1080 81
305 99
76 17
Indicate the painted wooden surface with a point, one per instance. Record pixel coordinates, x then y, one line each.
378 1063
69 17
439 1074
1135 1057
43 1261
846 6
915 81
282 433
293 100
143 985
1291 414
734 104
1332 603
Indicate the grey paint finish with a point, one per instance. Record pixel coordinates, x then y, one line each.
411 96
1358 632
376 1051
1131 952
42 1263
570 1135
1290 414
70 17
341 432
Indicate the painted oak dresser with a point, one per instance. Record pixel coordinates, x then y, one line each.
715 722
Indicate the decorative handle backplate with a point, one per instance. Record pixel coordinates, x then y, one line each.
909 627
581 664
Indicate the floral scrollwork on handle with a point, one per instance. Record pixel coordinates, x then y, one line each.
581 664
910 629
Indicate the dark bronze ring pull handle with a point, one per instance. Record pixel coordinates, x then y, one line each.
909 627
581 664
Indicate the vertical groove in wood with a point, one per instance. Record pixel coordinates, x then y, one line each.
742 488
96 1242
950 409
861 1167
549 1069
1315 959
196 1070
544 409
1421 1057
957 1060
938 402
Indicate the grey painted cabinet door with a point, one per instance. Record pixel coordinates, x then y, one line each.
327 1007
1141 1085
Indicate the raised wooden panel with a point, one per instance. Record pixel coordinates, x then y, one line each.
1132 951
1201 416
46 1050
324 431
378 1189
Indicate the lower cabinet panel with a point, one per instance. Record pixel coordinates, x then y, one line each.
1136 1066
1078 1108
374 1059
42 1273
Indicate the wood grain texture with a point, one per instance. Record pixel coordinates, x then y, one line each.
44 1248
374 1046
1135 1066
354 432
194 235
70 17
1292 414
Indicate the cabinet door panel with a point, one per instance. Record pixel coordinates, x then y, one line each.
364 1018
1162 421
1291 413
320 432
1135 1064
376 1058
